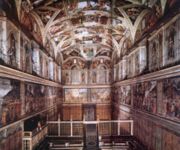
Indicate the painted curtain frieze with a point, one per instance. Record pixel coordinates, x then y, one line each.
11 138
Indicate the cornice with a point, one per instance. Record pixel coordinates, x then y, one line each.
24 118
7 72
87 86
87 103
162 74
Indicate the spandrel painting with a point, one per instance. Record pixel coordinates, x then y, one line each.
101 95
172 45
75 95
171 98
10 106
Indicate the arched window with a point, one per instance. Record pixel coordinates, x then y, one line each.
51 70
75 75
102 74
36 61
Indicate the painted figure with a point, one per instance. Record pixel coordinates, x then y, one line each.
82 77
93 77
154 56
171 36
12 49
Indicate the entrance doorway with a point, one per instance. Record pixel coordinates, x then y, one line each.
90 129
89 112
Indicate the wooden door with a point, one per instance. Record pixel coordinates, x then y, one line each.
89 112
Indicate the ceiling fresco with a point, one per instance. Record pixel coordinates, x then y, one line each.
89 29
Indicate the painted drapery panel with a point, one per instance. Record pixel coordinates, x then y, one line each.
11 139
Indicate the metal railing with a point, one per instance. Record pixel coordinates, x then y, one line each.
75 128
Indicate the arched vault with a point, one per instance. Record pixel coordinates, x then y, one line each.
89 28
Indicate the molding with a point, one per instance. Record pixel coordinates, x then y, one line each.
81 104
23 119
162 74
7 72
87 86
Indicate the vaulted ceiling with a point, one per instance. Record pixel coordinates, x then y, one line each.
89 29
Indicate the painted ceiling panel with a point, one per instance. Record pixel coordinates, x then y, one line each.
88 29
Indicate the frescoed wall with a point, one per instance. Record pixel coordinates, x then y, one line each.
170 104
10 106
161 50
19 51
145 96
101 95
93 95
75 95
39 97
171 43
160 97
152 101
36 98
